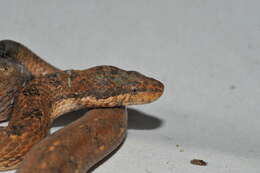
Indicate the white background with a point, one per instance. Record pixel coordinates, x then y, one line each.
207 53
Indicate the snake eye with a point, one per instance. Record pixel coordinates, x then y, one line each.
134 90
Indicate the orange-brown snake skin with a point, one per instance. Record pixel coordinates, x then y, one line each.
38 93
79 145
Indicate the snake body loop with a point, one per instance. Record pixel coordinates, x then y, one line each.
80 145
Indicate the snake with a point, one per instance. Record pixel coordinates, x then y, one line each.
43 92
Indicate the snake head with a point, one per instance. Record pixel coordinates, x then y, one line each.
121 87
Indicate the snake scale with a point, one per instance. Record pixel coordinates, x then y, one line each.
41 92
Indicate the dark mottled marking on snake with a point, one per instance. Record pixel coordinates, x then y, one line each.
12 76
31 91
37 113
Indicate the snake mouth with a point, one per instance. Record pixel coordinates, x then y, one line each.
145 97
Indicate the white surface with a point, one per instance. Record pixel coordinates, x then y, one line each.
206 53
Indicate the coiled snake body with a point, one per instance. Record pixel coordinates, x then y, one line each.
48 92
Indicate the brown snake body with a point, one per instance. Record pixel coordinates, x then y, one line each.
80 145
49 92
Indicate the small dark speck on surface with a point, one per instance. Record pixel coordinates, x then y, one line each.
198 162
232 87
